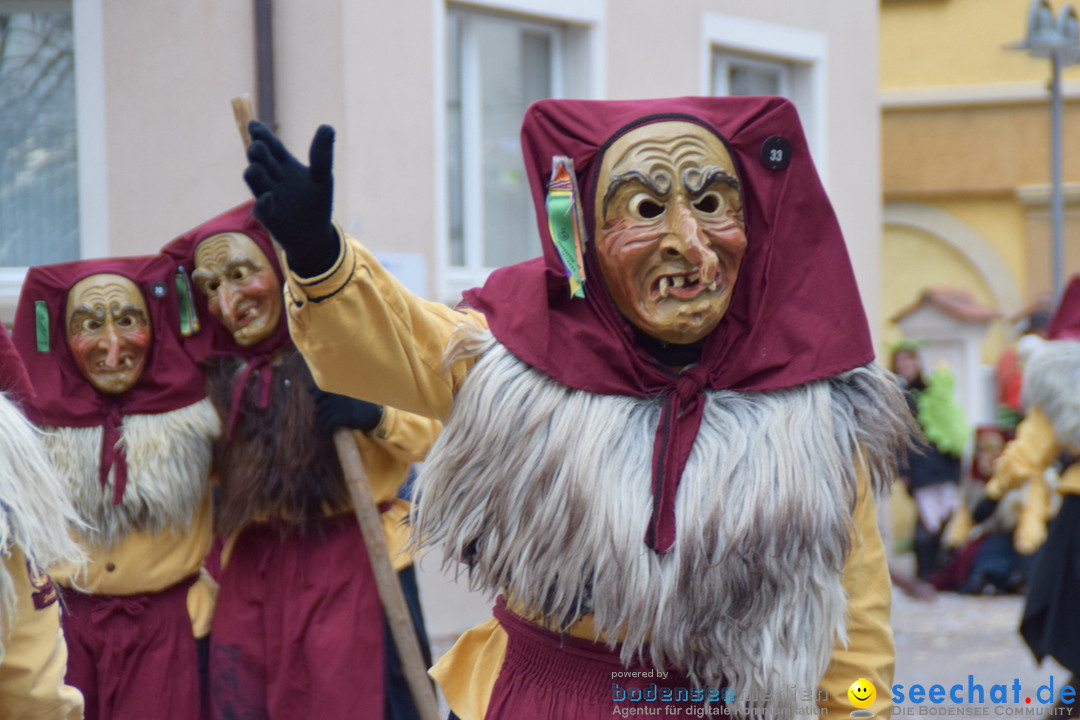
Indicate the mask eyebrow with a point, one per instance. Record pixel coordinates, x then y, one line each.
656 185
698 180
129 309
243 262
85 312
240 262
201 275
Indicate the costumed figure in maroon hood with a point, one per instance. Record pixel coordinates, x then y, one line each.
299 629
1049 438
130 431
36 521
663 439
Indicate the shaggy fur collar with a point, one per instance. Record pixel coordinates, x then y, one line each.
544 492
1051 378
168 459
35 508
277 463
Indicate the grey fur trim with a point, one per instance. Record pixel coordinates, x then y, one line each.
168 459
1051 380
544 492
35 509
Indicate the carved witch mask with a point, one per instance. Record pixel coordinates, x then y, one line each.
108 331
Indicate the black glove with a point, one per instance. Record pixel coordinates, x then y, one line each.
294 201
335 411
983 510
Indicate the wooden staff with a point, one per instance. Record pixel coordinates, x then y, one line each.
393 600
402 631
244 114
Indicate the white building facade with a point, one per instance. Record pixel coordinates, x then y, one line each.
426 96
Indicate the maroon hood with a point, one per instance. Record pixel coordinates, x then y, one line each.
795 314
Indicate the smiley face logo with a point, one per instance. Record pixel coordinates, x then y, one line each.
862 693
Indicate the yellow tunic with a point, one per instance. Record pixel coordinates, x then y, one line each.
1027 457
146 562
365 335
34 656
1024 461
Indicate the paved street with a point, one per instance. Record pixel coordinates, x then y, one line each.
945 641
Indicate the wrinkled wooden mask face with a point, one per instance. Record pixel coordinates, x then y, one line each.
243 292
108 331
670 234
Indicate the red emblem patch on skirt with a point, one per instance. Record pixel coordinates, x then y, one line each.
44 591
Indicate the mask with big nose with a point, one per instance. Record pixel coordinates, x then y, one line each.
108 331
242 290
670 235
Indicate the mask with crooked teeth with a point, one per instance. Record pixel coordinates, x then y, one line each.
668 199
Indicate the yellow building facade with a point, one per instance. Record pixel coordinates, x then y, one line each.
966 159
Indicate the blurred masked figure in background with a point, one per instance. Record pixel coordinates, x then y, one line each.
1049 436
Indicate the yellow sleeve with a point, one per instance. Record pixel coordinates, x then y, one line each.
869 652
959 527
201 601
34 653
388 452
406 436
1030 531
1026 456
1069 481
365 335
466 674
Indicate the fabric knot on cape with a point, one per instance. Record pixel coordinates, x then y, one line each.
680 420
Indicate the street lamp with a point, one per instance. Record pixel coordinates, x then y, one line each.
1059 40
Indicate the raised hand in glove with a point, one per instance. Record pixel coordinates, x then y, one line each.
294 201
335 411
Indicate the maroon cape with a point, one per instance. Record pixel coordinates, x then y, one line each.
213 340
63 397
1066 322
795 315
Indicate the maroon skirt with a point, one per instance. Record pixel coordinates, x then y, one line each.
549 676
298 628
133 656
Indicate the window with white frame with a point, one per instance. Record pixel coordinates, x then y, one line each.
497 65
39 180
736 74
752 57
